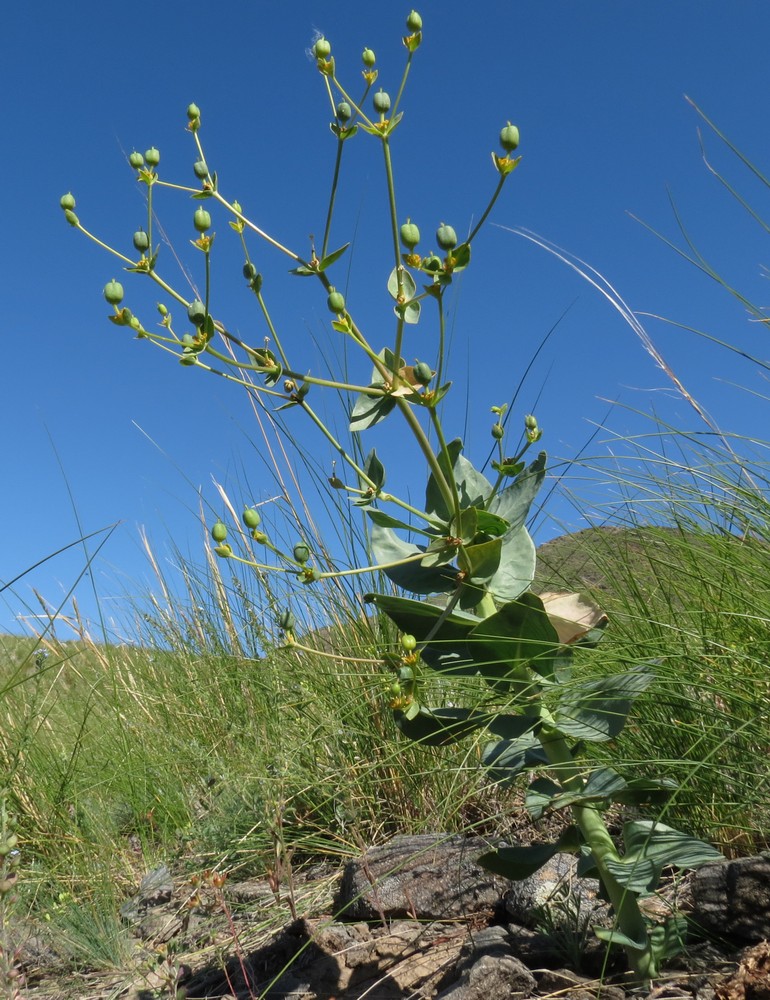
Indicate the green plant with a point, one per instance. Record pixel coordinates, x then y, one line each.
514 650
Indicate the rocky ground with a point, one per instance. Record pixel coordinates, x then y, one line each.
415 918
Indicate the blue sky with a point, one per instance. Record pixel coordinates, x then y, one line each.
100 430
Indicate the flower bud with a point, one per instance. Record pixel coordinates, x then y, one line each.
202 220
136 160
301 553
322 48
193 112
336 302
369 58
219 532
67 201
141 241
163 310
251 518
410 234
509 138
381 102
446 237
530 422
223 551
113 292
414 21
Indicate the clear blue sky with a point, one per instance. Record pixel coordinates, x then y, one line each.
597 88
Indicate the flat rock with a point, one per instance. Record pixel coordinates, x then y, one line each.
426 877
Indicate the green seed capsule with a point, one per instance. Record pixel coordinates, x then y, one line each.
414 21
369 58
202 220
70 216
141 241
200 170
249 271
152 157
193 112
322 49
344 111
410 234
67 201
113 292
408 643
530 422
498 432
423 372
509 138
381 102
196 313
301 553
446 237
219 532
251 518
336 302
136 160
286 621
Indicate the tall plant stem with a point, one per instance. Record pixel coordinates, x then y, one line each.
332 196
630 920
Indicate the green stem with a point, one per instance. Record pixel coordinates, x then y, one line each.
630 920
336 444
489 207
396 245
332 197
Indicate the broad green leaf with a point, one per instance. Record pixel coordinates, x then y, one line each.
409 311
645 791
514 501
388 548
540 794
597 710
473 487
386 521
511 727
517 566
517 863
329 259
437 727
370 410
519 634
482 560
407 284
374 469
660 843
461 256
668 939
464 527
491 524
638 875
618 938
302 270
506 759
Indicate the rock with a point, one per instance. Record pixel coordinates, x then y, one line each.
156 888
732 898
426 877
555 897
491 975
751 980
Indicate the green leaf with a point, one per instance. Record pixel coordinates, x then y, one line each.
645 791
409 311
638 875
461 256
517 566
374 469
473 488
370 410
517 863
491 524
329 259
407 284
617 937
519 634
506 759
387 547
540 795
437 727
464 527
668 939
302 270
482 560
597 710
386 521
660 843
513 503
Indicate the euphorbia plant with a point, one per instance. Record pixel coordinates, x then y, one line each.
474 556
